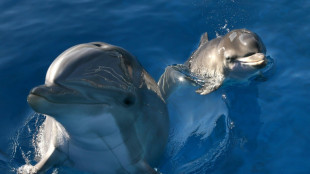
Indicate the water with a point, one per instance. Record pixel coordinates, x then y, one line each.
270 120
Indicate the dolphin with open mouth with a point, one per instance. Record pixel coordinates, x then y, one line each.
237 55
199 121
104 113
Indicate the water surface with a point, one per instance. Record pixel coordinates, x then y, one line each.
270 115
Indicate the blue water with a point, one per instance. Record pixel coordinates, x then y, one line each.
271 132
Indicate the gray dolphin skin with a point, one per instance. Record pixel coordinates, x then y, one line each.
237 55
104 113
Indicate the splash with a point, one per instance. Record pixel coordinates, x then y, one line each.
28 144
21 149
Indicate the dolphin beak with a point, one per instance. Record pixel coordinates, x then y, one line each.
51 92
253 60
78 94
42 96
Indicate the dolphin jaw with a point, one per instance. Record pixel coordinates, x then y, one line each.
252 60
42 105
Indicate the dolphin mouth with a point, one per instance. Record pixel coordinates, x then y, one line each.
61 95
255 59
53 94
32 97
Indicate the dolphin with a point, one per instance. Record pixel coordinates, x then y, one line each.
237 55
202 122
104 113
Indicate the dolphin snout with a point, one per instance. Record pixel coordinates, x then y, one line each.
40 90
257 59
44 90
52 93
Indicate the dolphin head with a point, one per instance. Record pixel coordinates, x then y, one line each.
88 79
243 52
100 94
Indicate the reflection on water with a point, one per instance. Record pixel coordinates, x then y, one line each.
199 131
204 127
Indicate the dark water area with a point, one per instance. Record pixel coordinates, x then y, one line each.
270 115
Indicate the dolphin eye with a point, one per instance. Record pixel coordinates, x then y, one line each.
129 101
231 58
